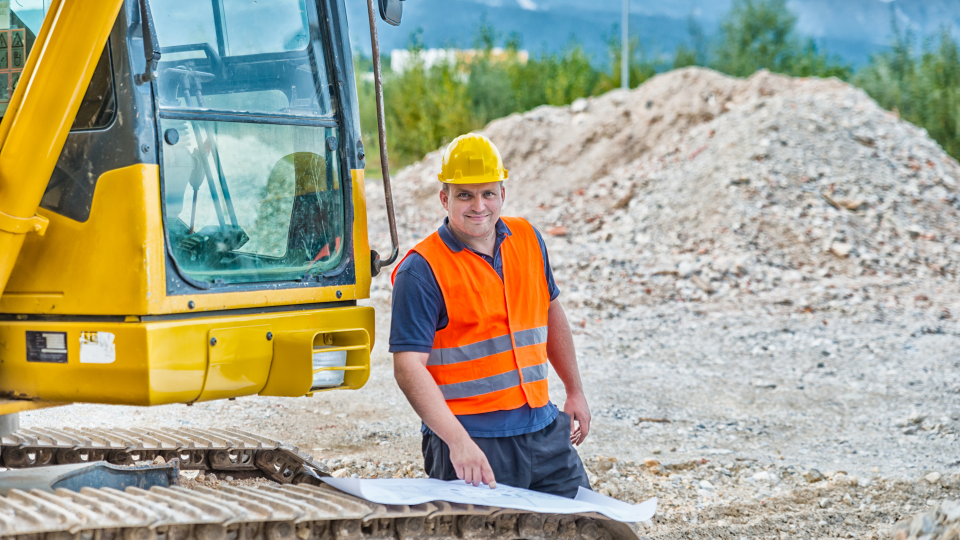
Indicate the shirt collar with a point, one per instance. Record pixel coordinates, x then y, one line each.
457 246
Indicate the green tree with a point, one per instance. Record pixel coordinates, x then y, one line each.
923 86
696 54
759 34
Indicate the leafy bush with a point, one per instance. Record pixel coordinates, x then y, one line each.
923 86
760 34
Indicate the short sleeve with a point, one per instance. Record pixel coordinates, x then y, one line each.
418 306
551 284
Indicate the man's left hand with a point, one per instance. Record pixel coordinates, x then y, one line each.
576 406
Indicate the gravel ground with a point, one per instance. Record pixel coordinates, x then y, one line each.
792 374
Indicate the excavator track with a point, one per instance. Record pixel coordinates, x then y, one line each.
298 506
272 512
218 450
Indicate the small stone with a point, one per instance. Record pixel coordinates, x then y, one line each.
604 466
704 484
950 510
792 276
657 451
912 430
921 524
841 249
765 476
760 383
685 269
579 105
933 477
605 492
848 499
650 462
613 490
201 478
212 478
825 502
228 479
557 231
340 473
813 476
159 461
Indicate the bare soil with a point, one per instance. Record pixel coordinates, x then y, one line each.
762 280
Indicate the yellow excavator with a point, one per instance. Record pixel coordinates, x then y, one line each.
183 219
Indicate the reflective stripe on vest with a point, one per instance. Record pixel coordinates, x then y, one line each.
487 347
492 355
487 385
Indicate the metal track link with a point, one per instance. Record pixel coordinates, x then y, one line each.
272 512
197 449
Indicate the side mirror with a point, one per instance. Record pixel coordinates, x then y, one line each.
391 11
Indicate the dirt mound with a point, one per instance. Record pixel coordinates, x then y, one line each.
700 186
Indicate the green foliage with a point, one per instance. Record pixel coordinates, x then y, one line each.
695 55
640 68
759 34
923 86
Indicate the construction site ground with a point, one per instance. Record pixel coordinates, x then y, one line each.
761 276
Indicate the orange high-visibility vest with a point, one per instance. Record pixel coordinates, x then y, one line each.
492 355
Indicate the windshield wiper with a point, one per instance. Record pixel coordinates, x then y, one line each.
151 47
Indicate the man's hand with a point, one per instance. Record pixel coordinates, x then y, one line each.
576 406
471 464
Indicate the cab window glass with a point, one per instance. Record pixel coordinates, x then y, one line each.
252 202
240 56
99 102
20 21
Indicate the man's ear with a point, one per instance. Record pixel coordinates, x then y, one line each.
503 195
444 198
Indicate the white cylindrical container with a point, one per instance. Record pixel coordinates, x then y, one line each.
326 359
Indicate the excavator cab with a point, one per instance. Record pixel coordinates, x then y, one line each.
205 231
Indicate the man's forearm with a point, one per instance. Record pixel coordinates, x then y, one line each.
425 397
560 349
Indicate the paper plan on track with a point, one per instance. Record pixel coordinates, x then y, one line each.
412 491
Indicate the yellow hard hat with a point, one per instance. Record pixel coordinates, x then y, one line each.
472 159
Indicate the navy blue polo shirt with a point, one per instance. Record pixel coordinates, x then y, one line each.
419 311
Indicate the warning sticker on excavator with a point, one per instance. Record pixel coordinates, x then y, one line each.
50 347
97 348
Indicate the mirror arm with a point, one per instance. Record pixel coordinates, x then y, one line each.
151 47
376 264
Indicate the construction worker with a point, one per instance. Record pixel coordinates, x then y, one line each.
475 320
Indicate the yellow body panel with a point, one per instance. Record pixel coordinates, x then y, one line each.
43 107
159 362
111 264
13 406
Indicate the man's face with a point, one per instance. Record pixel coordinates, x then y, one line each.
473 209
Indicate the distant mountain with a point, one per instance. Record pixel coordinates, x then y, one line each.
851 29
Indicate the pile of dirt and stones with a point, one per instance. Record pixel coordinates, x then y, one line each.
699 187
767 268
940 523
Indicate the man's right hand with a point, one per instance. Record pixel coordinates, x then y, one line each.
471 463
468 460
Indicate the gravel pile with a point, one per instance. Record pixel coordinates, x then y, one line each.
697 187
941 523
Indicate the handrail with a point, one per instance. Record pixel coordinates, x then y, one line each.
375 262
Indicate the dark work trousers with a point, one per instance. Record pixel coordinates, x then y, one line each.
542 461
